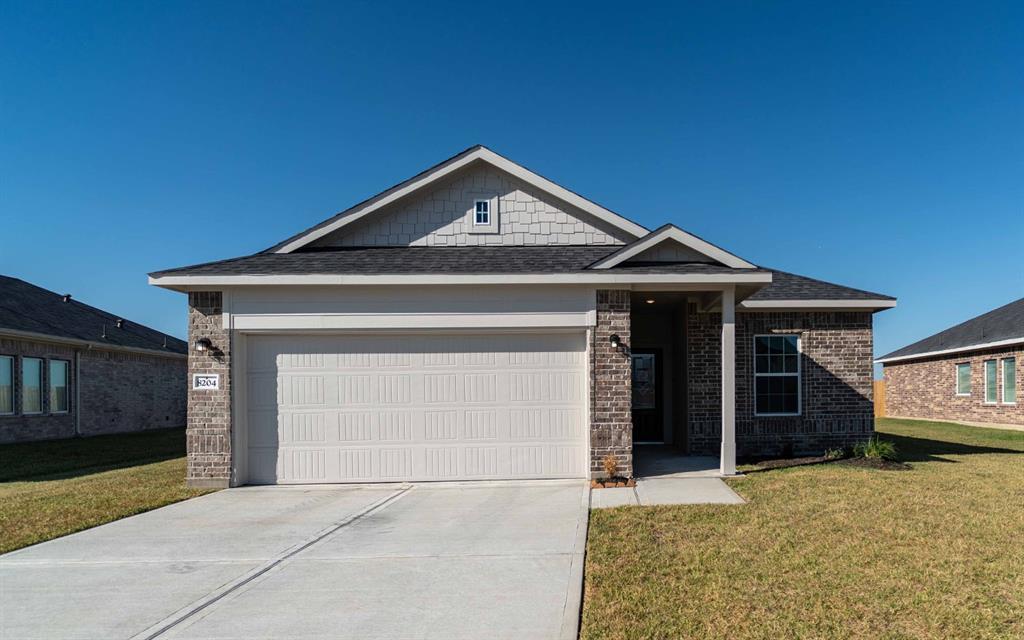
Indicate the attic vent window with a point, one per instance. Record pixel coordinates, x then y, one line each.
482 210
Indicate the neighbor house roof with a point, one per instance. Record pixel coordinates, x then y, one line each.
779 287
997 328
30 311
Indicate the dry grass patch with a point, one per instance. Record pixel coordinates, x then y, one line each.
136 473
828 551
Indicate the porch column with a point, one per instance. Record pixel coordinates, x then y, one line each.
728 457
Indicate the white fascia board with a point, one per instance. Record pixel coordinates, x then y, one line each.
185 282
810 305
87 344
454 165
973 347
686 239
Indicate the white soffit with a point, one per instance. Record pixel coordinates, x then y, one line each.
669 233
444 169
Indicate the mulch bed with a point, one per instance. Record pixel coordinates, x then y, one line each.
612 483
864 463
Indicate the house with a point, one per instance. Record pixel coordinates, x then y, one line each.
479 321
68 369
967 373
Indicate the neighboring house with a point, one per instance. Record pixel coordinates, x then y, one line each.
479 321
967 373
68 369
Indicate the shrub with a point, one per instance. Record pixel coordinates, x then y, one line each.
876 448
835 454
611 465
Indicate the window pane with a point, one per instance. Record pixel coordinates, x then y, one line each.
790 344
963 379
761 364
6 384
31 385
791 363
58 385
1010 380
990 381
761 345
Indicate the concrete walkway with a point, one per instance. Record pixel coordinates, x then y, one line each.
494 560
665 477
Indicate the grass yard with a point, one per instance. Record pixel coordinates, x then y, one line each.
828 551
51 489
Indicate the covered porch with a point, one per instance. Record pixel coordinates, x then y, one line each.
682 357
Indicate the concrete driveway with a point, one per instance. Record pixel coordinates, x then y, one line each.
479 560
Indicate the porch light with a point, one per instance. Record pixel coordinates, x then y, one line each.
650 301
614 340
203 344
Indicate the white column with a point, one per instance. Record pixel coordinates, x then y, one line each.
728 459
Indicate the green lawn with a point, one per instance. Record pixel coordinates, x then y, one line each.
51 489
828 551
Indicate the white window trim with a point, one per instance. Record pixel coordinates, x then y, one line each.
476 222
799 374
1002 379
42 388
67 386
956 380
984 372
14 386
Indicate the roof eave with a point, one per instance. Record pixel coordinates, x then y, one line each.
89 344
198 282
846 304
886 359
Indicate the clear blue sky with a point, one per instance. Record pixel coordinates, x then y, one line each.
879 146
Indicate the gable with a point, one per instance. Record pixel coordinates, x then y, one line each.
444 215
669 243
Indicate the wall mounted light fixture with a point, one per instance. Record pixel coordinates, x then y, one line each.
614 340
203 344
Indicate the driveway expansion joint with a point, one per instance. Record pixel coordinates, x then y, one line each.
233 586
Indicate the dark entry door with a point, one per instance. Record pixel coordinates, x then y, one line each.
647 411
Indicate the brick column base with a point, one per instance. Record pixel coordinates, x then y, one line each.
611 399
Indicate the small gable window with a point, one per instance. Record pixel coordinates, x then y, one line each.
482 212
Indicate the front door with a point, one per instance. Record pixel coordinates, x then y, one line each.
648 425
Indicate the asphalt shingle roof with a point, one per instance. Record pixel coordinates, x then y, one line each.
496 260
1004 323
26 307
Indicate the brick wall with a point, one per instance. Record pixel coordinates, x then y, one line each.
118 392
927 389
209 411
836 365
611 423
442 218
123 391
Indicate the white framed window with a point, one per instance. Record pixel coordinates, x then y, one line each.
6 385
777 375
1009 380
963 379
58 381
482 212
31 385
990 381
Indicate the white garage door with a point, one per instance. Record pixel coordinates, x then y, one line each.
416 407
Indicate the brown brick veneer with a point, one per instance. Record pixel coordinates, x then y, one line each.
611 422
209 411
927 389
836 383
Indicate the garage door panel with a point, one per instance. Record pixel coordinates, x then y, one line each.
388 408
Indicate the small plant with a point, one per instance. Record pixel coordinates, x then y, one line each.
611 465
835 454
875 448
